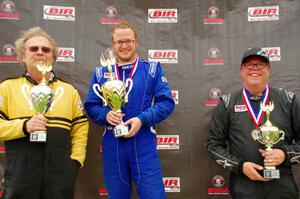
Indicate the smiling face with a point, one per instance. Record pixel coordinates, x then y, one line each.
255 74
36 51
124 45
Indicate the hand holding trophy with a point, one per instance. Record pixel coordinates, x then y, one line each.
268 135
114 93
41 98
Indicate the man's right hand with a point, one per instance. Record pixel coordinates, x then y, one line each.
250 170
36 123
114 118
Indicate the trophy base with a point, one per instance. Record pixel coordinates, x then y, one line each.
38 136
271 173
120 130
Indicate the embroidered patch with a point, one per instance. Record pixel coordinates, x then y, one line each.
295 158
226 99
107 75
263 53
290 96
79 105
152 69
99 73
164 79
240 108
223 163
1 100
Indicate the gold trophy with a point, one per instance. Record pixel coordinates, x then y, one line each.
114 93
41 98
268 135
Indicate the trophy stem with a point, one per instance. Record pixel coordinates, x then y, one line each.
270 168
268 115
44 68
269 148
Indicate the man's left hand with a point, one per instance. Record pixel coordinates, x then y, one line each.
273 158
135 125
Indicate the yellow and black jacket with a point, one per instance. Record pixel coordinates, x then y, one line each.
42 170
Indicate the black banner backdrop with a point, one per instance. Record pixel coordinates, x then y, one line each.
199 43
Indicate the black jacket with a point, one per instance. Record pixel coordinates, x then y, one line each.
233 129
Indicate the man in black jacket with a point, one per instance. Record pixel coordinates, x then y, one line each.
237 115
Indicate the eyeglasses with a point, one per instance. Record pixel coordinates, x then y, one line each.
36 48
127 42
252 65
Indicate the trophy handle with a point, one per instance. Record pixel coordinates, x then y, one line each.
128 83
97 90
24 89
281 133
58 91
255 136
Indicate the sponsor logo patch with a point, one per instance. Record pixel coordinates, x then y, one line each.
162 16
110 16
172 184
240 108
167 142
218 182
214 57
107 75
60 13
8 54
265 13
213 16
9 10
66 54
163 56
214 97
175 95
273 53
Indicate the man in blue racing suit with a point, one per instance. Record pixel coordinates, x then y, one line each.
132 157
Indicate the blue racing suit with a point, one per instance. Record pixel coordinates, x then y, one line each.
133 159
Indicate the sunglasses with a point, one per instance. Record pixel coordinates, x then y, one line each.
36 48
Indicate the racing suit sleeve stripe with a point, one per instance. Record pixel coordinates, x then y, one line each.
79 118
3 116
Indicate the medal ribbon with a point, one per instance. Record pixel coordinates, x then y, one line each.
256 116
131 72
